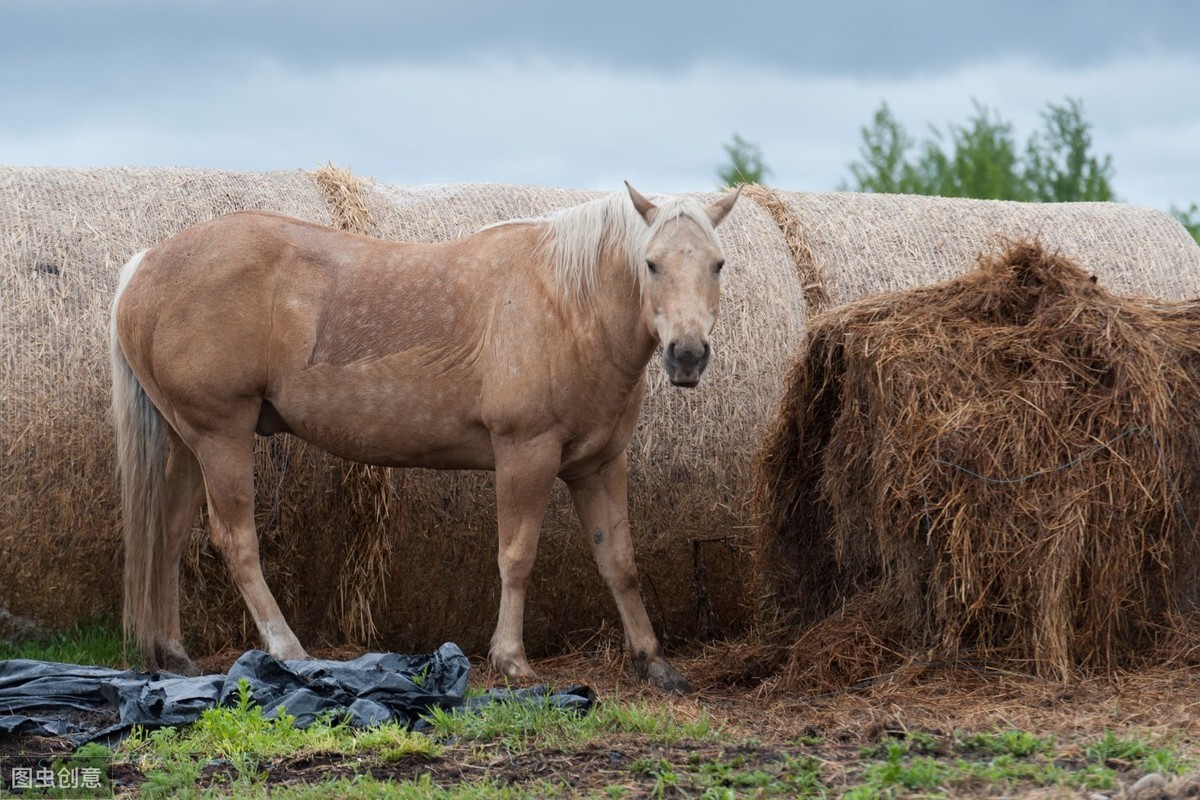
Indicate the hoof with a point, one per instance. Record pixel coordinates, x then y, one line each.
513 667
171 657
657 671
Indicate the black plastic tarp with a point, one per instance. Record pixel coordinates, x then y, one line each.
46 698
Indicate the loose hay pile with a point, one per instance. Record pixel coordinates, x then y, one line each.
1003 466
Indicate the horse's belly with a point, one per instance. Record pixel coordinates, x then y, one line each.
402 446
410 423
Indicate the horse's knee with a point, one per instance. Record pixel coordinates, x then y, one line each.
240 555
516 563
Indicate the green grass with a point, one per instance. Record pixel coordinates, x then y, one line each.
230 749
229 752
732 777
365 787
91 643
239 740
1004 761
520 727
1013 743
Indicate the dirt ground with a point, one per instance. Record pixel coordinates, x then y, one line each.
768 725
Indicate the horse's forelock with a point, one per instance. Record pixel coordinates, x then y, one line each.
578 236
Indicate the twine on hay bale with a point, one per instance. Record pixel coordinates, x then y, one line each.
802 255
363 572
1004 466
347 203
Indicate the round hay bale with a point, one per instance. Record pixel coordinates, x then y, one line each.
1003 466
64 235
862 244
352 551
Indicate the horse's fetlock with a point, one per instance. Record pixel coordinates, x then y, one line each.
641 660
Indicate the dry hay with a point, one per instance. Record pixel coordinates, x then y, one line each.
1000 467
812 281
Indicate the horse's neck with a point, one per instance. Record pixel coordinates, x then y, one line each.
613 311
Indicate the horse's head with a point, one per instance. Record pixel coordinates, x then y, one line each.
682 286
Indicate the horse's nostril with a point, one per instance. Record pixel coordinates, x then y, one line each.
671 350
707 351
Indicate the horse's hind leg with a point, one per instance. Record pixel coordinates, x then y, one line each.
184 490
601 499
228 466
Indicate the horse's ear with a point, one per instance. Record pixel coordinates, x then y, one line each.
643 206
717 211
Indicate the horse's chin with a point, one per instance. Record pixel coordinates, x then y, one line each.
684 379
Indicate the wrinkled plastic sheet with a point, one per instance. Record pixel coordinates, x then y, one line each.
45 698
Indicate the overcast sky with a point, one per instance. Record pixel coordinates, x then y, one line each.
585 94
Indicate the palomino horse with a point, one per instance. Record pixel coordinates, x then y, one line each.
520 348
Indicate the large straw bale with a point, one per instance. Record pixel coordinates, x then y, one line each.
868 243
1003 466
64 235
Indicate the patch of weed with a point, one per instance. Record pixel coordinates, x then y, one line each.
93 643
520 726
1011 742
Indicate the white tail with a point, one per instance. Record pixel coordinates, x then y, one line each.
140 459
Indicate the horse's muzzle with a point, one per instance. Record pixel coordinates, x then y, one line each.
685 363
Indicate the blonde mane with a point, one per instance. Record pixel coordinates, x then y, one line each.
577 237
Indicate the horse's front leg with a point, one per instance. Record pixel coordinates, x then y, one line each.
525 474
601 499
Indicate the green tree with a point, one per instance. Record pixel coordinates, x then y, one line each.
1059 167
1189 219
884 151
982 159
745 163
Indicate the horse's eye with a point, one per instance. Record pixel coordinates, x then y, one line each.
650 265
720 265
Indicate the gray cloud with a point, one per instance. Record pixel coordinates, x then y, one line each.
564 94
864 38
